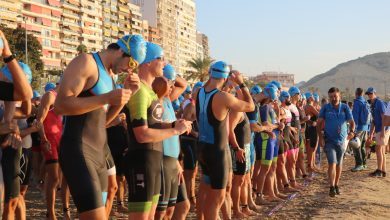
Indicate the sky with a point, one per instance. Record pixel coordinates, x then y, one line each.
302 37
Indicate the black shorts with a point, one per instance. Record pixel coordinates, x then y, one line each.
169 184
182 193
25 166
241 168
119 163
311 135
11 171
215 163
143 175
86 175
188 148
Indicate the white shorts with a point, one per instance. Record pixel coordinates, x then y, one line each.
382 141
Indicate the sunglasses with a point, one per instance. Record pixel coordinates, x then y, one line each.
132 62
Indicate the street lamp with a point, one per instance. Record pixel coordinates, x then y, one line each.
25 34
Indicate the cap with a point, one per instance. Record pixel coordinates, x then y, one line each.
219 70
169 72
370 90
134 46
49 86
256 90
283 96
25 68
153 52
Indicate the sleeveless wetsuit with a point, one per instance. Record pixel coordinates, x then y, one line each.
171 151
267 147
253 119
82 157
143 160
287 144
243 136
188 144
311 132
213 142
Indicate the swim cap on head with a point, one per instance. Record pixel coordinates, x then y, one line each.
293 91
133 45
153 51
36 94
283 96
316 97
188 90
256 90
219 70
308 95
49 86
25 68
277 84
271 92
181 99
169 72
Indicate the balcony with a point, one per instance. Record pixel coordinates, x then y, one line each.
70 6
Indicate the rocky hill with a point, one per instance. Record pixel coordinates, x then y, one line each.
371 70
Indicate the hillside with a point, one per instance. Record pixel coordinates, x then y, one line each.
371 70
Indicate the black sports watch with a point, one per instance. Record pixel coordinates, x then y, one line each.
242 85
8 59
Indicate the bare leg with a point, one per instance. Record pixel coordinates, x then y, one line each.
51 189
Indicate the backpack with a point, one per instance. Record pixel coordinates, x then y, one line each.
365 114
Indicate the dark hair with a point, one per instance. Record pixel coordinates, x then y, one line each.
115 46
359 91
333 89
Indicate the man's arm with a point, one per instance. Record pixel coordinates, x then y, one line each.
144 134
234 118
180 86
75 78
47 100
22 89
24 110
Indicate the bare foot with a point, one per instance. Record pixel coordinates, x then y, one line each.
122 209
254 207
273 199
290 190
249 212
238 215
282 196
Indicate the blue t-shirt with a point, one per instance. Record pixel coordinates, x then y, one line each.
171 147
336 129
378 108
358 107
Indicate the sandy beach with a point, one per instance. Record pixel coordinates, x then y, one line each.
362 197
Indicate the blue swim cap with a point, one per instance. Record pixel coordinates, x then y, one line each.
188 90
119 86
277 84
308 95
256 90
219 70
293 91
133 45
316 97
197 85
49 86
153 51
271 92
36 94
25 68
169 72
181 99
176 104
283 96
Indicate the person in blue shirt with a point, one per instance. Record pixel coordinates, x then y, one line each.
381 133
358 113
335 116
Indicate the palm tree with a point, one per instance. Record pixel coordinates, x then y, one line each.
81 49
201 68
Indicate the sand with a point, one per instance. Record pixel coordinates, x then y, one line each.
362 197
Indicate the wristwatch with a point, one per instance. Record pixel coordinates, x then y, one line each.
9 58
242 85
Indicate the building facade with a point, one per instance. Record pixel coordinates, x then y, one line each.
175 21
9 11
286 79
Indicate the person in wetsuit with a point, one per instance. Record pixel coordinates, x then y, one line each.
89 101
212 107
